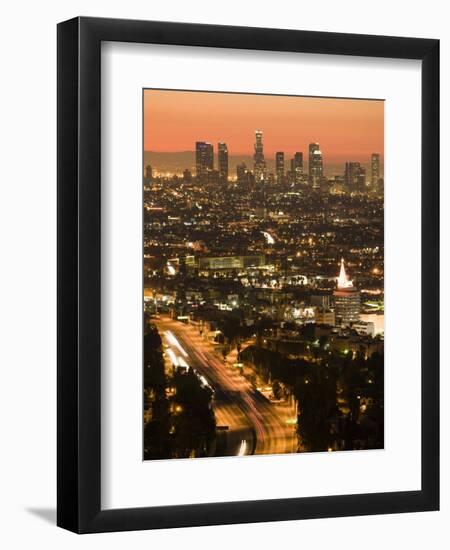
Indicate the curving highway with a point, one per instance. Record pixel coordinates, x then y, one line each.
255 426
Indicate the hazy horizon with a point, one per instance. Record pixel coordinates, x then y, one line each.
177 161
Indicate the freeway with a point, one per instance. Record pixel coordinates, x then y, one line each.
255 426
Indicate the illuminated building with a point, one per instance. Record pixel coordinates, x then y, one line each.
347 299
204 158
355 176
279 217
259 163
364 328
297 167
375 170
325 317
223 162
231 262
377 319
300 314
338 185
279 167
315 165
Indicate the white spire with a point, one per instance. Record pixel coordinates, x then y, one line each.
343 281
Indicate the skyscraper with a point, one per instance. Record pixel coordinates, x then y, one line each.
297 167
355 176
279 167
375 171
347 299
223 162
204 158
315 164
259 163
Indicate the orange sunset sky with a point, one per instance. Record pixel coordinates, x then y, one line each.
347 129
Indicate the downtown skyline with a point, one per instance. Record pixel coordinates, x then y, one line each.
208 160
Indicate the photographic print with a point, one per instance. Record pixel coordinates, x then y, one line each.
263 274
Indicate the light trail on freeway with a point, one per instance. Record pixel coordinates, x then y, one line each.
255 426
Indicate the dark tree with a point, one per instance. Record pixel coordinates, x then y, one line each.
193 421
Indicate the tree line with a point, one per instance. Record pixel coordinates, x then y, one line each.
340 396
178 418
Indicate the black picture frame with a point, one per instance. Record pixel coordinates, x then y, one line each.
79 280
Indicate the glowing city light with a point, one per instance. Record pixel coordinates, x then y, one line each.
174 342
173 357
268 237
242 448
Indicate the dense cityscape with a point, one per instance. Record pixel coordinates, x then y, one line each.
263 304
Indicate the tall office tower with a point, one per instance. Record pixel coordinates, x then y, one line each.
361 179
315 165
347 299
259 163
297 167
279 167
204 159
223 162
375 172
355 176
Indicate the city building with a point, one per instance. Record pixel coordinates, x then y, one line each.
148 174
231 262
377 320
223 162
355 176
204 159
375 171
338 185
279 167
315 165
259 163
321 299
325 316
364 328
297 168
244 176
347 300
